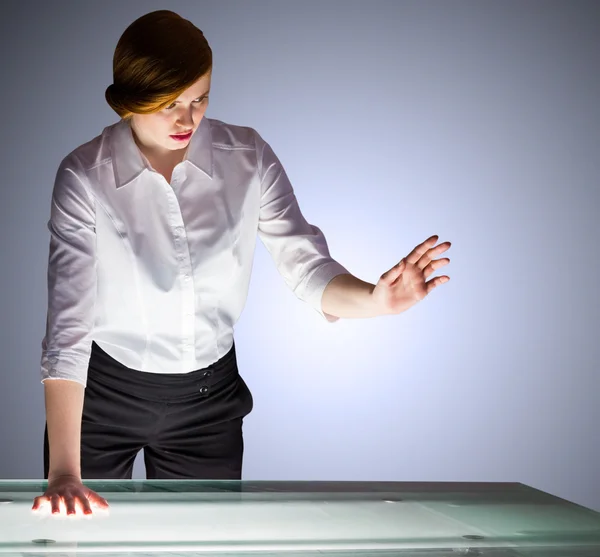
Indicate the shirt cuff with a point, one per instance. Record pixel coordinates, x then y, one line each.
62 365
316 284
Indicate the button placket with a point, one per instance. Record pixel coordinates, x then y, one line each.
182 254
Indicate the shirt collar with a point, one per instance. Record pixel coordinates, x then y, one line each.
129 164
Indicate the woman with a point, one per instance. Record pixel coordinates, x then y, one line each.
153 225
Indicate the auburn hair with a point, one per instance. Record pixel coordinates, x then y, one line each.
156 59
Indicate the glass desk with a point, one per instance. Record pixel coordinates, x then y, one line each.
292 519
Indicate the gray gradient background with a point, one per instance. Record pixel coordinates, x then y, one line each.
477 121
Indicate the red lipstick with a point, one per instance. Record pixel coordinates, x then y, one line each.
182 137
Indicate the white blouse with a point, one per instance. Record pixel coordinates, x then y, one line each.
157 274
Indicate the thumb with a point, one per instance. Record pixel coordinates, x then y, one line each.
98 500
390 276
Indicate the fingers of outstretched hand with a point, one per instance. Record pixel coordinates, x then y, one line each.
422 254
432 253
433 266
421 249
431 284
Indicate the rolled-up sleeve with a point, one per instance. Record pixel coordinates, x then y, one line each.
66 346
298 248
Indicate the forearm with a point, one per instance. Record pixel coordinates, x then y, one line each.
349 297
64 407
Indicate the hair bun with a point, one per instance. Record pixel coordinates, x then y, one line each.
115 97
115 91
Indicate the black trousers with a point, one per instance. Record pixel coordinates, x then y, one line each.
189 425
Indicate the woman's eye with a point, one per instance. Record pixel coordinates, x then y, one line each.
198 100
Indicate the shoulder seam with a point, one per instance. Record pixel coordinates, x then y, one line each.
99 163
233 147
84 182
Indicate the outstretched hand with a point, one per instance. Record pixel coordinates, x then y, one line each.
406 283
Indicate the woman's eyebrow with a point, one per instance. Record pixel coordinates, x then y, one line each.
202 95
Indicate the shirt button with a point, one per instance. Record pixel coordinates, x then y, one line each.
204 390
53 359
207 373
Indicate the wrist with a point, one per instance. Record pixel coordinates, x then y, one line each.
61 475
347 296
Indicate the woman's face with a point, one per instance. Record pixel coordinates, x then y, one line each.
155 131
